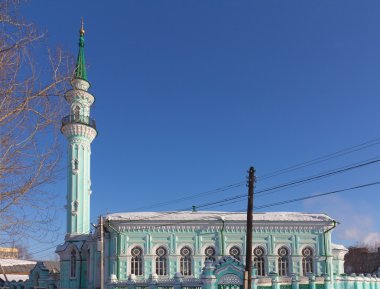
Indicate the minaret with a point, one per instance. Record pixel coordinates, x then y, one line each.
80 131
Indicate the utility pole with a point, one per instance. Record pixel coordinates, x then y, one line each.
248 260
101 254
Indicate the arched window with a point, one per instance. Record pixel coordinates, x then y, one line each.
283 261
73 264
76 112
136 261
259 260
307 260
88 263
37 280
185 261
161 261
210 253
235 252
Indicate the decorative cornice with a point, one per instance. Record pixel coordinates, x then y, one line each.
216 228
78 83
77 129
82 142
79 94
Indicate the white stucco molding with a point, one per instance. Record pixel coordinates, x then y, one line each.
79 95
77 129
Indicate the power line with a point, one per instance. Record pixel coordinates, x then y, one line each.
316 195
283 202
321 175
194 196
234 199
257 207
320 159
270 175
277 187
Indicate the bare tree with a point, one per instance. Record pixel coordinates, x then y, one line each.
31 105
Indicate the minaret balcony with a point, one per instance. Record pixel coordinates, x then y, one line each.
81 119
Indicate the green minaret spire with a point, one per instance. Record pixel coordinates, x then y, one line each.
80 69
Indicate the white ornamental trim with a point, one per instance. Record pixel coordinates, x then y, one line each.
228 229
79 94
78 83
230 279
78 129
81 142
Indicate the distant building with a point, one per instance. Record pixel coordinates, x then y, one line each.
23 274
44 275
11 253
14 271
362 260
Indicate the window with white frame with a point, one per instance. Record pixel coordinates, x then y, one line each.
235 252
210 253
136 261
161 261
259 261
283 261
185 261
307 260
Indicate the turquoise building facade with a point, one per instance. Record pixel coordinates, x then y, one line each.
185 250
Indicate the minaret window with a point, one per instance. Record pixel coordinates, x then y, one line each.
76 113
235 252
161 261
283 261
210 253
259 261
136 261
76 164
307 260
76 204
73 264
185 261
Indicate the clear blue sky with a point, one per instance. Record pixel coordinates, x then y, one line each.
189 94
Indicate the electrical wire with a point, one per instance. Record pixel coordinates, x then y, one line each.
277 187
321 175
270 175
321 159
274 204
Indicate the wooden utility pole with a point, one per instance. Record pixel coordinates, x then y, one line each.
248 251
101 253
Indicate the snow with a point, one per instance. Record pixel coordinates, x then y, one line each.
216 215
14 262
15 277
338 247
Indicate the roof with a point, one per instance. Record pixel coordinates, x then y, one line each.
16 266
338 247
14 277
80 69
52 266
216 215
12 262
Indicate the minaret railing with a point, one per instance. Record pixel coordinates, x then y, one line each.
81 119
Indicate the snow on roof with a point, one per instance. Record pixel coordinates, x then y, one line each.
338 247
14 277
216 215
13 262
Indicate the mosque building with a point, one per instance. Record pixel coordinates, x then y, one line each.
185 250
